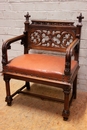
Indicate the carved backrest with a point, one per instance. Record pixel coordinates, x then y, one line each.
52 36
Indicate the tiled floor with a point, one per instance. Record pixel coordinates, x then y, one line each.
29 113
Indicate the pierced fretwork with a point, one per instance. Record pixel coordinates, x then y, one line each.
48 38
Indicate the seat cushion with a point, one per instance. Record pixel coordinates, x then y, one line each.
41 65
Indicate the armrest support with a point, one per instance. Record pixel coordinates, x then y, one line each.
6 45
69 52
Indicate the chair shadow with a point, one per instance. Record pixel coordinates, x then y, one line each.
77 108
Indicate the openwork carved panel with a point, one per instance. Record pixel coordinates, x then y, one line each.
50 38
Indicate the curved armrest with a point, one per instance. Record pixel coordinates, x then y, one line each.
69 52
6 45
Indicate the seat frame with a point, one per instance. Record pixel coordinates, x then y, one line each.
72 49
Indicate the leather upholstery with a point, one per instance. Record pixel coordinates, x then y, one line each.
42 65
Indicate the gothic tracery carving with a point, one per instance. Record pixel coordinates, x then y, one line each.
48 38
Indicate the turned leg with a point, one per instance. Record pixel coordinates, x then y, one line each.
8 98
66 111
27 84
75 88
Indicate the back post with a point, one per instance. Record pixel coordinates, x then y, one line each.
27 23
78 35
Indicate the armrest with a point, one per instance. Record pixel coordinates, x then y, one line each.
69 52
6 45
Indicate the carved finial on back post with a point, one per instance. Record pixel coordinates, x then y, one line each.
80 17
27 16
79 25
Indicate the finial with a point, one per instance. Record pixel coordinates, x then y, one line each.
27 17
80 17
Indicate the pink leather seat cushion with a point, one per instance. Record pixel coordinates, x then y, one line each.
41 65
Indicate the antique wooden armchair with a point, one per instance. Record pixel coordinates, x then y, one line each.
47 69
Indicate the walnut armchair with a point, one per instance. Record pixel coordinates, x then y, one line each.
57 71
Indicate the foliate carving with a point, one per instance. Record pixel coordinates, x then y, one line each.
4 61
4 54
48 38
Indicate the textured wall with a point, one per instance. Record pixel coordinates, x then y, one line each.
12 18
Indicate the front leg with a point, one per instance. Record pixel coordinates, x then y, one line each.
66 111
8 98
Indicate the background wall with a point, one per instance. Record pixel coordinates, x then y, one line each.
12 18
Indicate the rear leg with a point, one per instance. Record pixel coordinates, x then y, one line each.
27 84
75 88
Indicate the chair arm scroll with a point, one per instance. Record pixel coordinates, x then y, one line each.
69 53
6 46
